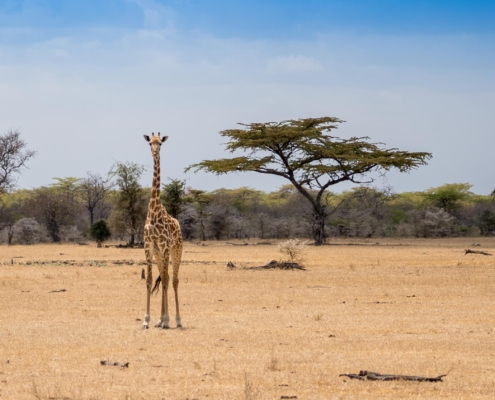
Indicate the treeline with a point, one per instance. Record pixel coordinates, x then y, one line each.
65 210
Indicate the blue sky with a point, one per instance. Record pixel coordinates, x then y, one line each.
83 80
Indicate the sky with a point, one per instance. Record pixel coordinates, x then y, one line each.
84 80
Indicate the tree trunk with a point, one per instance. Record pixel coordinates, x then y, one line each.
318 228
10 234
91 216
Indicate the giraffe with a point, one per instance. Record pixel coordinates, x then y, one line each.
162 238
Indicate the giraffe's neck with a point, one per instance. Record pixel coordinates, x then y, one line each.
155 188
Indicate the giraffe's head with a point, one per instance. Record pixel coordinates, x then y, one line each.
155 142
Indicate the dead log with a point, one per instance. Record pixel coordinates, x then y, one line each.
375 376
280 265
476 252
237 244
58 291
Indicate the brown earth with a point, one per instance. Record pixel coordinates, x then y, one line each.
409 307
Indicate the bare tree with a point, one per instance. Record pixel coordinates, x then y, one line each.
94 189
13 156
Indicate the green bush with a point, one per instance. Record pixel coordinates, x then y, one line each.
100 232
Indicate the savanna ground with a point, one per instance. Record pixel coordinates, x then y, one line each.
414 307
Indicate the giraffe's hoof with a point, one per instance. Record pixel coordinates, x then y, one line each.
145 326
159 324
179 325
165 326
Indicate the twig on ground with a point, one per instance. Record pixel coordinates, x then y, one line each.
476 252
375 376
115 364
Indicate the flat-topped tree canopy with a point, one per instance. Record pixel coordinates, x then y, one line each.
303 152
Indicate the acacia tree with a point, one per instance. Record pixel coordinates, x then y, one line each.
302 152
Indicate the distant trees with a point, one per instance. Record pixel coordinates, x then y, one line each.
11 211
55 207
302 152
174 197
130 203
200 200
486 222
59 212
448 196
13 156
365 209
29 231
93 192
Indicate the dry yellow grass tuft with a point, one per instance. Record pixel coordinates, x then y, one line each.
410 307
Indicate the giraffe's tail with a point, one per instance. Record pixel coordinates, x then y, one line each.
156 288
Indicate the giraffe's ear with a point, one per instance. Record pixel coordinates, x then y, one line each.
147 138
164 139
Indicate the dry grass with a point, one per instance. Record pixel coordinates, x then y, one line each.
413 307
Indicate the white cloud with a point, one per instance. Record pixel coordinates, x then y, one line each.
156 15
288 64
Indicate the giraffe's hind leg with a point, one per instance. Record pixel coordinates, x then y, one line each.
176 259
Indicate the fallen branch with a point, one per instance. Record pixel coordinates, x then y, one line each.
237 244
58 291
375 376
476 252
279 265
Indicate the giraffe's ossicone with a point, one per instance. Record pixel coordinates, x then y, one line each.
162 239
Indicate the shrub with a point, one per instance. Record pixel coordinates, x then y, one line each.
100 232
29 231
293 250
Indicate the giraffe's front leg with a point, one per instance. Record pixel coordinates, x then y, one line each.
149 282
162 256
164 318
